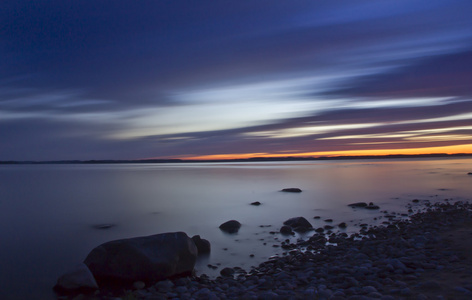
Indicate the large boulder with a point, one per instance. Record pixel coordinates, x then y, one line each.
147 259
231 226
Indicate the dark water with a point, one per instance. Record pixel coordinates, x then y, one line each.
49 213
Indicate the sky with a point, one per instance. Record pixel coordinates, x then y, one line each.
83 80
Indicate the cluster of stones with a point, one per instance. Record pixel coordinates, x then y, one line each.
381 262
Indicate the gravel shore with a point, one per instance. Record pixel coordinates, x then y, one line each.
425 257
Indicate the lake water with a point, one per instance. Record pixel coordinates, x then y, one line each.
48 212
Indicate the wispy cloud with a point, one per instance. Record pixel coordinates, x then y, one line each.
163 79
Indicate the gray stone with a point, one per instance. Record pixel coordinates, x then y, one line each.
164 285
139 285
369 289
79 278
147 259
227 272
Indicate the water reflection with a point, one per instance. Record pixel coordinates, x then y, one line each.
51 216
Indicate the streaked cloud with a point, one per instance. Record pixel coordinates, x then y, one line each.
129 80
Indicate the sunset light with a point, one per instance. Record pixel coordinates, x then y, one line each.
242 149
289 78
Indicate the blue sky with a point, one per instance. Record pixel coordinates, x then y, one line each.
142 79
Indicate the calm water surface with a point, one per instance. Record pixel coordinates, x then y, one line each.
48 212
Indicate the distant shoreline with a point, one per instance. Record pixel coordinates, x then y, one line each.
254 159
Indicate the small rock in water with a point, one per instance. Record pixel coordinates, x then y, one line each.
231 226
372 206
342 225
328 220
286 230
203 246
470 173
292 190
298 222
257 203
358 204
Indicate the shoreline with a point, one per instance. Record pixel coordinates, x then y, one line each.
426 257
241 160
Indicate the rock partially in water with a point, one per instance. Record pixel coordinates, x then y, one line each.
372 206
203 245
302 229
364 205
298 222
79 279
147 259
231 226
358 204
227 272
257 203
286 230
291 190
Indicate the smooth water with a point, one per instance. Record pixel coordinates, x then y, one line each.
48 212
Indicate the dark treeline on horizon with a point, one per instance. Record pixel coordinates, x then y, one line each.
253 159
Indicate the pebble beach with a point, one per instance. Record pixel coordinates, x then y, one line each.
426 256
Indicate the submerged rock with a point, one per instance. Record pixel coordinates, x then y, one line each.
231 226
147 259
103 226
291 190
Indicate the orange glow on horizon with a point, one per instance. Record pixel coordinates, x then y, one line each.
371 152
